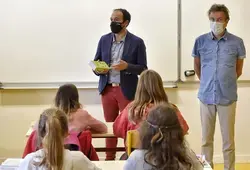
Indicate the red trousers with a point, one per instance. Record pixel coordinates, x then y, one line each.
113 102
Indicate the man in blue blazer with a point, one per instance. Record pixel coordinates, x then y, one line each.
125 53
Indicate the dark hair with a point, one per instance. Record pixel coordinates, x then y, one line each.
162 136
126 14
219 8
67 98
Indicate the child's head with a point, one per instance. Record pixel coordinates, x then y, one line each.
52 130
162 136
149 90
67 98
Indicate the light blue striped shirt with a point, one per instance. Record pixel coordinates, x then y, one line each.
116 55
218 79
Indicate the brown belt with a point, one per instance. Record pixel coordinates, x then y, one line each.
114 84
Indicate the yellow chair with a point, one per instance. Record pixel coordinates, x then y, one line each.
132 140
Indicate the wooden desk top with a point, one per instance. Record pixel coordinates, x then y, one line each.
13 163
118 165
110 133
108 165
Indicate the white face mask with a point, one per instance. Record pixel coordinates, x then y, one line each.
217 27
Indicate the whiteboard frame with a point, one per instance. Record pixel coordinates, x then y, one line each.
179 36
56 85
94 84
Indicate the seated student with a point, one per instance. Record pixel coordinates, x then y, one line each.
150 91
82 142
52 130
67 99
162 144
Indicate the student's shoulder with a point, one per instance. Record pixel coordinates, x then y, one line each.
81 112
174 106
29 157
136 161
137 154
77 157
147 109
128 107
81 161
38 154
27 162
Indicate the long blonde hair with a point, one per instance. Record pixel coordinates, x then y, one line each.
149 90
52 129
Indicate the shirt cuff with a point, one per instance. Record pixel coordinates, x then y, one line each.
195 56
241 57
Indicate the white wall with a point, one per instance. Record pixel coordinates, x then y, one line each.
19 107
67 32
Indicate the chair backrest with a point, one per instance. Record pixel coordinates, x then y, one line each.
30 144
83 142
132 140
72 141
85 139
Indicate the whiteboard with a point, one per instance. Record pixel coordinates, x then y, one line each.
54 40
195 22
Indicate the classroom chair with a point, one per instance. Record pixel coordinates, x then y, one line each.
85 142
132 140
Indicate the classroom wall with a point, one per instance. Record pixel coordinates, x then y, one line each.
19 107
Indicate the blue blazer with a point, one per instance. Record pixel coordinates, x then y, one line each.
134 54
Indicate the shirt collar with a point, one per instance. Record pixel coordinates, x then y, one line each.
225 36
122 40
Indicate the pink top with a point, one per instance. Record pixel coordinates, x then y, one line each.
82 120
72 138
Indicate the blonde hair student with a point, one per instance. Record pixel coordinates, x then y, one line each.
162 143
67 99
52 130
149 92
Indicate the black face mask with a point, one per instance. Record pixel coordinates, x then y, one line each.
116 27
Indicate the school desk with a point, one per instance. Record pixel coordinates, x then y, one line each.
13 163
118 165
109 134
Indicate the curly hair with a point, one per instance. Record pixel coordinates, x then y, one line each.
162 136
